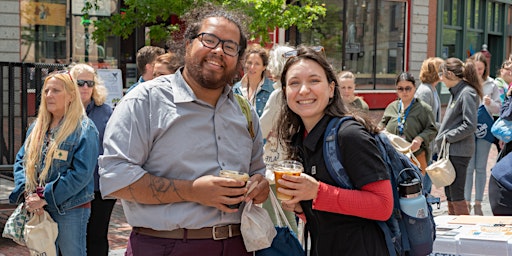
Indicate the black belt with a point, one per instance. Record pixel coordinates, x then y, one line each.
215 233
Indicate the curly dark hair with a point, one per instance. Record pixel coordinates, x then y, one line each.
290 123
195 17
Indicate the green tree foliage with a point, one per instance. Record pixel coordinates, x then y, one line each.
264 15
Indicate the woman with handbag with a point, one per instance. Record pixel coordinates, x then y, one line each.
459 125
54 168
340 221
490 105
411 118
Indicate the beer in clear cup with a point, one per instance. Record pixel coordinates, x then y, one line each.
288 167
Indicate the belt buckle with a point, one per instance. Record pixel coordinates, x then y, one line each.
214 230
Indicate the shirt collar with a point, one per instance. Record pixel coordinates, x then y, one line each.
182 91
316 135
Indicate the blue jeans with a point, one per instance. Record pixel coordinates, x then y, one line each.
72 231
477 169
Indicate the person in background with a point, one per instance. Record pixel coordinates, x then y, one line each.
477 168
427 92
166 64
273 151
459 125
255 86
502 89
347 82
411 118
332 214
146 57
54 168
93 95
501 83
500 197
167 141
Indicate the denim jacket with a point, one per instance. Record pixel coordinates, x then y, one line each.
261 97
70 182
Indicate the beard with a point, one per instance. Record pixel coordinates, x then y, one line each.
206 78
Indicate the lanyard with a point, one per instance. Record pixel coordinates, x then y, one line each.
401 122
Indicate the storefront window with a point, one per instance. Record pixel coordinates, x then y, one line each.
363 36
450 47
44 32
473 42
49 35
450 14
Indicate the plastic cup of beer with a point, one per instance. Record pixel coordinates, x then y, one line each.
288 167
240 176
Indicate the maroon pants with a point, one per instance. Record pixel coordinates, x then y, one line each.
148 245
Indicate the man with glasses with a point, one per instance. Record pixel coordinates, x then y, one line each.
166 143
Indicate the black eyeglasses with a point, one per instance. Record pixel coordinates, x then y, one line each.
211 41
401 89
294 53
89 83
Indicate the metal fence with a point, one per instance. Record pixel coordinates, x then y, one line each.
20 92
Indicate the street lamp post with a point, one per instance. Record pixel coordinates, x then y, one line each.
86 22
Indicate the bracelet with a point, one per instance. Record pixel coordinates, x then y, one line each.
40 192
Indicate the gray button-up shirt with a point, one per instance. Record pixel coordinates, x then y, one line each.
161 128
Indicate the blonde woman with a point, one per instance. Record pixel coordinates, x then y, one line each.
54 168
93 95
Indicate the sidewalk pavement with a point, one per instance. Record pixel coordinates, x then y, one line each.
119 229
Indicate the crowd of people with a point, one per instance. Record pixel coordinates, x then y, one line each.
162 148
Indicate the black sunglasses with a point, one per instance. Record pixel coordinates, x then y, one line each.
81 83
401 89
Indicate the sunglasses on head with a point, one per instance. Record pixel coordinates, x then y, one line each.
401 89
63 71
294 53
81 83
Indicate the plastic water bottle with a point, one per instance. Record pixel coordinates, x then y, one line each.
412 201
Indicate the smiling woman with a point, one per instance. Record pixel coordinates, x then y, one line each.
311 92
255 86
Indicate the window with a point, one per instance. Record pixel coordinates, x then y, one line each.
365 37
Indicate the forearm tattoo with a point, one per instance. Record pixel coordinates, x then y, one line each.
158 186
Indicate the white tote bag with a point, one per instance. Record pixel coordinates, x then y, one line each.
40 235
442 172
